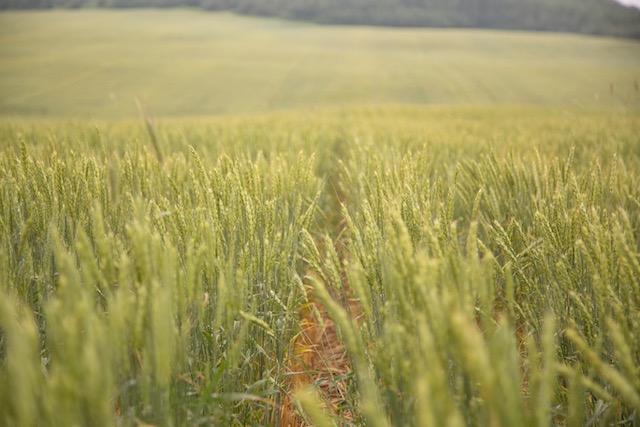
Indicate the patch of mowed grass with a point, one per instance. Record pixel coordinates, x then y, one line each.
96 63
494 254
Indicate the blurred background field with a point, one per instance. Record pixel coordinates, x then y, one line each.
94 64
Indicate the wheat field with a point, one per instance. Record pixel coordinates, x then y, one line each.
209 220
93 64
492 267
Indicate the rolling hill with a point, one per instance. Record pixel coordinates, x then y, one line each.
96 63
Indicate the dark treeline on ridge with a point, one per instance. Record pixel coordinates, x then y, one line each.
599 17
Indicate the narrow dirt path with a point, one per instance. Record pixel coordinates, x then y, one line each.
319 357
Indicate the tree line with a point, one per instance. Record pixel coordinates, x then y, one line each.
599 17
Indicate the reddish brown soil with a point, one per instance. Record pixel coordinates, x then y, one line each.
319 358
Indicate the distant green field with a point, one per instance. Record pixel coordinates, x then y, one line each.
187 63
